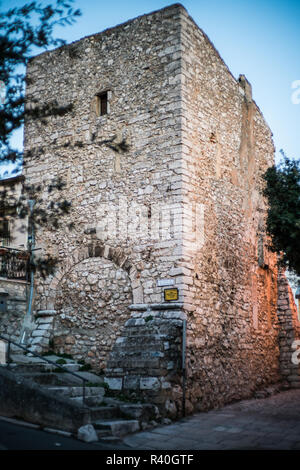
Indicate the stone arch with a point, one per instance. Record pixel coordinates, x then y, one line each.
91 308
94 250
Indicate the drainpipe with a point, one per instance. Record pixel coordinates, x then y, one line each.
183 365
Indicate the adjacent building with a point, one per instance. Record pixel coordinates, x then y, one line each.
14 257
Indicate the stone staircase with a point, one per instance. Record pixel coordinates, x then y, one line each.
111 417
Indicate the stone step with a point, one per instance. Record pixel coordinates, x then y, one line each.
40 366
26 359
145 336
70 367
117 427
135 363
43 367
104 434
140 411
30 368
89 376
105 412
89 401
109 439
112 418
49 378
132 341
31 362
132 350
141 349
52 378
78 391
165 329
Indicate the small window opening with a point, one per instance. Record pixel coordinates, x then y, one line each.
4 233
102 104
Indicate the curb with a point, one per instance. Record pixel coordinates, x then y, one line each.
26 424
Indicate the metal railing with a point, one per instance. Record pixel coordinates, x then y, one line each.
14 264
9 361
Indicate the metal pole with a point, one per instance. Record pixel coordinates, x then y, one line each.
30 246
83 392
8 354
183 366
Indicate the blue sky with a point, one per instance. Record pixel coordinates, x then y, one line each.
260 39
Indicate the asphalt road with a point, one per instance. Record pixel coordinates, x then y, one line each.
15 436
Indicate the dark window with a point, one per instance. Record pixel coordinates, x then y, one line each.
102 104
4 233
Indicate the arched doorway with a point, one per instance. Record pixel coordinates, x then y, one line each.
91 305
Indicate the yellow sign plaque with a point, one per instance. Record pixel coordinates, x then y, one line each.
171 294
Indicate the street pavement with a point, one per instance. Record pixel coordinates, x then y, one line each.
271 423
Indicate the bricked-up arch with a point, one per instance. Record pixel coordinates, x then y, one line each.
93 250
91 308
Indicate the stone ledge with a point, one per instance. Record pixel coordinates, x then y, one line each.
170 306
162 306
17 299
14 281
139 307
45 313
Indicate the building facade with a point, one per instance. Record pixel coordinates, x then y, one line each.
14 258
163 279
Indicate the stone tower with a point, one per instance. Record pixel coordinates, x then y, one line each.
161 150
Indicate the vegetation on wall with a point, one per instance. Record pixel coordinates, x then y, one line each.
282 190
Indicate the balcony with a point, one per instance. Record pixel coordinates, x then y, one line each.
14 264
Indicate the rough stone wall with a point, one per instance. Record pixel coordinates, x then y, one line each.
11 320
114 165
90 309
229 281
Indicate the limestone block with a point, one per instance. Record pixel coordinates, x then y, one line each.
3 349
149 383
44 326
87 433
114 383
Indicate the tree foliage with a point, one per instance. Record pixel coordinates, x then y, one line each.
282 191
23 31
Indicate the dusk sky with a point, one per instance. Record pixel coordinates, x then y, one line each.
257 38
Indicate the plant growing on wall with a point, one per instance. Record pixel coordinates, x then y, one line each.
282 190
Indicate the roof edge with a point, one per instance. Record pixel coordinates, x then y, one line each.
110 29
